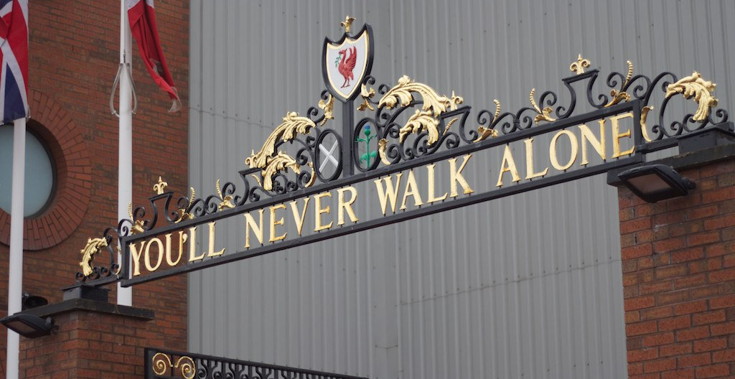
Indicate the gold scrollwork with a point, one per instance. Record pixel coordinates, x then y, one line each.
426 118
278 163
312 180
693 86
183 214
366 94
267 159
579 65
292 125
328 107
162 364
485 133
421 120
644 118
543 114
382 147
137 224
621 96
187 367
94 245
226 202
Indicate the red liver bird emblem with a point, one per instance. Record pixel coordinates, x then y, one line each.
346 64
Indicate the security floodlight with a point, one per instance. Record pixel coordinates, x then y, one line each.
28 325
656 182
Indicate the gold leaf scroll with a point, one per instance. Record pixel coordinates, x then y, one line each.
421 120
693 86
292 125
278 163
93 247
433 106
366 94
328 107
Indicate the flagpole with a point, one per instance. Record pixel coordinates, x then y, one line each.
125 153
15 266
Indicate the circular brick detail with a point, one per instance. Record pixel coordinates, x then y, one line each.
72 186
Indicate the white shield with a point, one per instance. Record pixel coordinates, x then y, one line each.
346 63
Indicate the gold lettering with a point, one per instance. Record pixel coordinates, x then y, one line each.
346 205
508 165
211 252
455 176
615 121
182 239
318 211
597 143
299 219
431 183
135 253
572 156
148 266
529 161
411 190
390 193
275 222
193 245
257 228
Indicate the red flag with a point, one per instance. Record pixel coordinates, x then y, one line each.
142 18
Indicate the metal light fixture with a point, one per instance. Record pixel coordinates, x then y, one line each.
28 325
656 182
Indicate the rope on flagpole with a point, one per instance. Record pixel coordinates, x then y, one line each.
123 67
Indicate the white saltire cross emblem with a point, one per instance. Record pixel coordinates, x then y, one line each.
328 155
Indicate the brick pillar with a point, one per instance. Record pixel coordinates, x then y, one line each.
94 339
678 260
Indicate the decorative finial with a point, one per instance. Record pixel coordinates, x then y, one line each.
347 23
579 65
160 186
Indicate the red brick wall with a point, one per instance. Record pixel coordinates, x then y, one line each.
679 279
74 55
90 345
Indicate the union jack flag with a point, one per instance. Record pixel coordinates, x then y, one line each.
13 59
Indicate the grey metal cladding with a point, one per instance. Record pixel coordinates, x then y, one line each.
527 286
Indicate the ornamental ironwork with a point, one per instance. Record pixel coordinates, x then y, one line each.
163 364
391 129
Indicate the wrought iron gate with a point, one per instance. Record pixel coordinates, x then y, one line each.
163 364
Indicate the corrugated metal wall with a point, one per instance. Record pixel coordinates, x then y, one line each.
528 286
